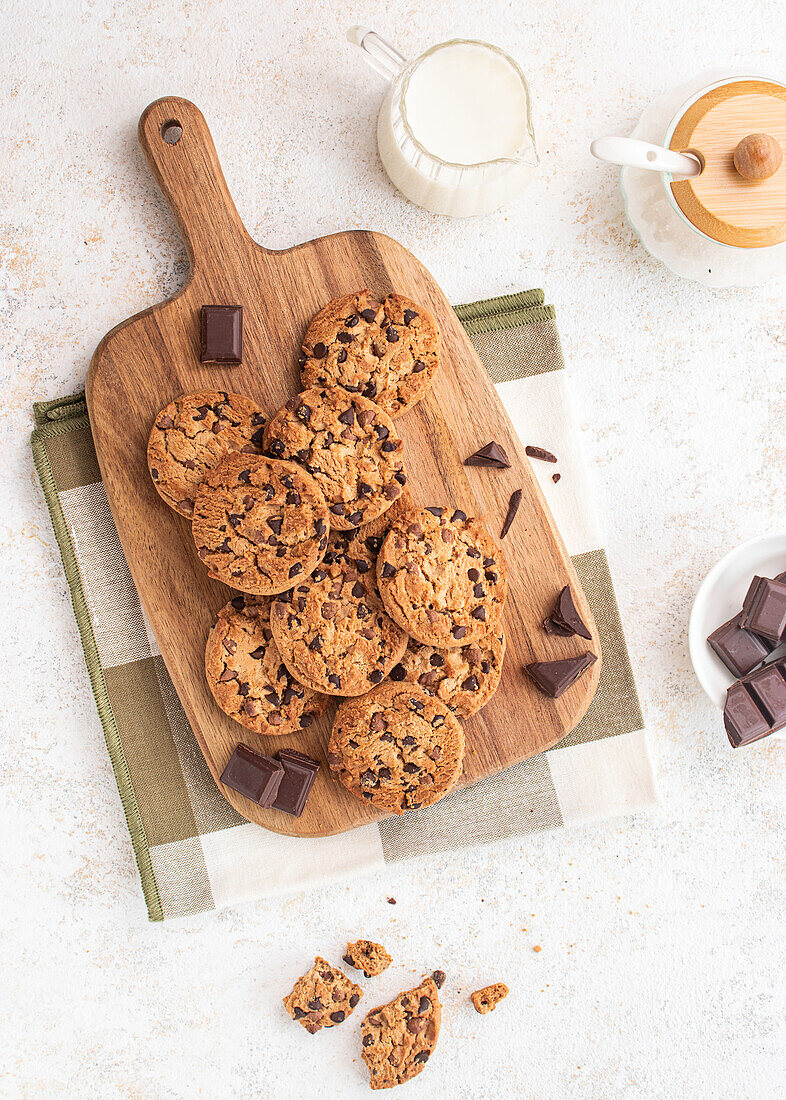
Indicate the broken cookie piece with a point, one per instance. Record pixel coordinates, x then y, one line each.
323 997
370 957
486 999
399 1037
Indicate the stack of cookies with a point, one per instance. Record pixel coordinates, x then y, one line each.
347 587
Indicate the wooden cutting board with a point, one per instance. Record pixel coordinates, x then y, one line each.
148 360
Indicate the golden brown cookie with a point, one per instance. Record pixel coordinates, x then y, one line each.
348 445
396 748
370 957
259 523
486 999
442 577
387 351
400 1037
323 997
332 630
191 436
464 679
247 677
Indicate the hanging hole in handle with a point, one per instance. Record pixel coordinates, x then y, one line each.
651 156
172 132
695 155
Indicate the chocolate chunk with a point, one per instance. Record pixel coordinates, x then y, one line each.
222 334
739 650
409 316
565 619
513 507
256 777
299 773
368 315
555 677
491 455
555 478
541 453
552 626
764 609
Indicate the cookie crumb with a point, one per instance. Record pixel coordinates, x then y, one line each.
537 948
391 901
438 978
486 999
370 957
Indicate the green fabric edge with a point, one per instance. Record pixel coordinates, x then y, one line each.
507 311
49 426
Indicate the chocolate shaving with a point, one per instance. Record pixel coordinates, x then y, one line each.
513 507
541 453
491 455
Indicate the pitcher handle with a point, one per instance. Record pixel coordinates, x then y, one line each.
640 154
380 55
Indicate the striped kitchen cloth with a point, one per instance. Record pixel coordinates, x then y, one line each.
194 852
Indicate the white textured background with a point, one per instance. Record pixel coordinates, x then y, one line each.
662 962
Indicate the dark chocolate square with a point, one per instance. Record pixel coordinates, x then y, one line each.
254 776
742 718
300 771
222 334
764 609
768 688
739 650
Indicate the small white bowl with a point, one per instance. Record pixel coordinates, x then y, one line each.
719 599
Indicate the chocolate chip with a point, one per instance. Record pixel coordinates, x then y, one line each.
478 592
345 338
227 675
320 351
295 569
338 1017
315 645
375 677
297 1013
353 1000
238 603
352 320
400 477
513 507
258 653
338 509
391 335
370 390
347 416
409 316
368 1040
341 357
388 445
398 673
244 477
388 570
306 720
418 366
459 631
368 315
358 590
416 1025
303 413
422 1056
458 516
470 684
277 448
301 360
382 431
355 518
334 680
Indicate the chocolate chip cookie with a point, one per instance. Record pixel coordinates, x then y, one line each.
332 630
397 748
464 679
259 523
323 997
348 445
370 957
247 676
399 1037
442 577
387 351
486 999
191 436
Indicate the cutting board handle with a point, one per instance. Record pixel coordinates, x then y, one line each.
179 148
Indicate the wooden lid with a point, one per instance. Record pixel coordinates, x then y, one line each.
722 202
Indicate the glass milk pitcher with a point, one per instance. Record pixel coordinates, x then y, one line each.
455 128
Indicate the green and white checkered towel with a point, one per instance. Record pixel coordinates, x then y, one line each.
194 852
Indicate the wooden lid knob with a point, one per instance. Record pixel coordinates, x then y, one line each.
758 156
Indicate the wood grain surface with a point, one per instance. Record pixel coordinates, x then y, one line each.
148 360
720 202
